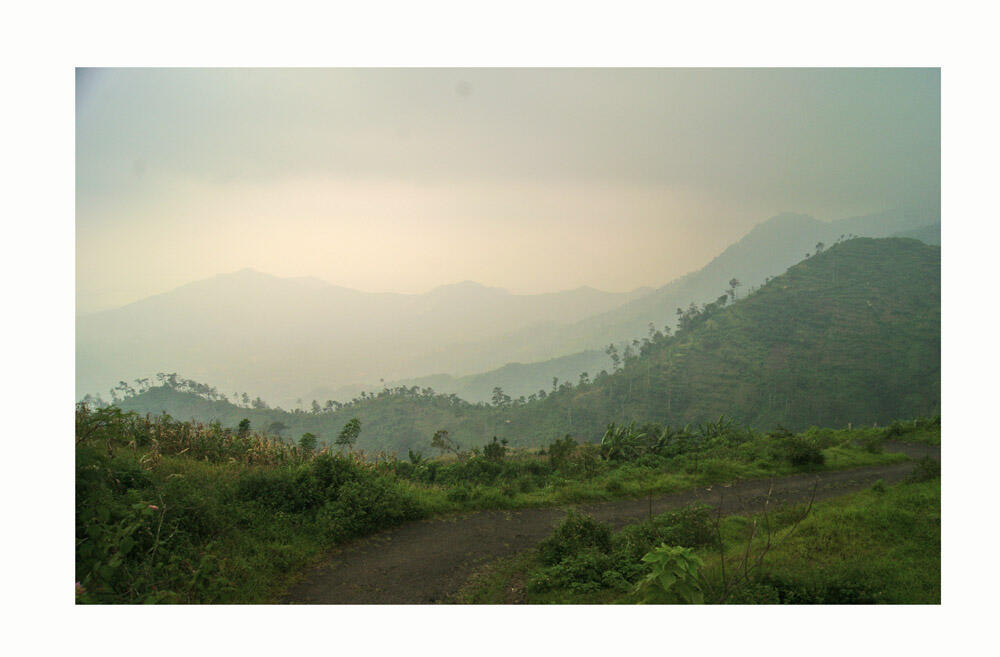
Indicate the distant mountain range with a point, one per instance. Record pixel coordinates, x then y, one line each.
304 338
280 337
515 379
852 334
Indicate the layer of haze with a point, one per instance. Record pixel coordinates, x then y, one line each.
531 180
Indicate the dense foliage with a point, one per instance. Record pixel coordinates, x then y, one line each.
170 511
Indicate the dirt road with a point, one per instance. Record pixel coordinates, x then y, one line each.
427 561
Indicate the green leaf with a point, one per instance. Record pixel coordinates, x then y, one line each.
667 580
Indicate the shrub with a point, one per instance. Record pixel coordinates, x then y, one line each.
575 533
897 428
691 526
584 572
771 589
673 577
459 494
307 443
871 443
795 449
560 452
332 471
495 451
292 490
925 469
364 506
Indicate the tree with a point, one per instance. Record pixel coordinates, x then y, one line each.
615 358
819 247
244 428
259 403
584 378
315 407
443 443
733 284
276 428
500 400
307 442
496 450
349 434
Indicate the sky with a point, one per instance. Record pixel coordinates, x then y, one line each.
533 180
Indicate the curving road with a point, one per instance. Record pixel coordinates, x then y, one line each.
427 561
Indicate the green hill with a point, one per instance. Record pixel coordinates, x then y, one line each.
851 334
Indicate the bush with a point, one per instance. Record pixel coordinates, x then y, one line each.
575 533
796 450
560 452
495 451
459 494
771 589
292 490
925 469
674 576
365 506
871 443
584 572
691 526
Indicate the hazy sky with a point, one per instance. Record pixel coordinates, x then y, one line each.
534 180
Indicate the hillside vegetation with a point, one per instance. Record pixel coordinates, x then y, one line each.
767 250
849 335
170 511
881 545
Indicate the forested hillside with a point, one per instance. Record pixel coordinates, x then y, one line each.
852 334
767 250
848 335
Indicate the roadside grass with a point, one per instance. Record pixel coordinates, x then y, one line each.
498 581
629 481
881 545
878 546
169 511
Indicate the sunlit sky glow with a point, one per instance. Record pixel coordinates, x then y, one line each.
532 180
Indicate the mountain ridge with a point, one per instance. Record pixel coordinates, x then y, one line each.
849 335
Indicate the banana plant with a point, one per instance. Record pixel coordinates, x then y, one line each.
621 442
